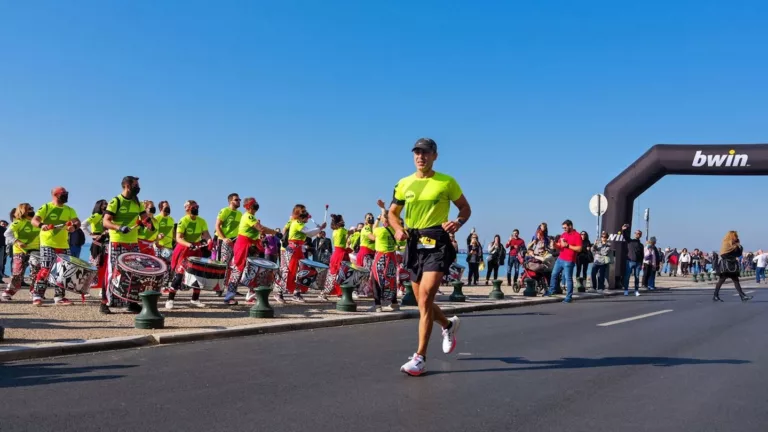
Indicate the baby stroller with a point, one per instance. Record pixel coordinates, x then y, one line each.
538 270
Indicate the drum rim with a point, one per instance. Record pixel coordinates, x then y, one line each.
321 265
122 266
272 265
207 261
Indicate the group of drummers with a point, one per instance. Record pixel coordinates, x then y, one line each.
135 249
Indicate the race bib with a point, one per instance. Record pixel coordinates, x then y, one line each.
427 243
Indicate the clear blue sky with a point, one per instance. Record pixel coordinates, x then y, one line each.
535 105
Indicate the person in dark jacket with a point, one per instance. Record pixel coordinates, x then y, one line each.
323 248
76 242
583 260
727 266
635 252
3 257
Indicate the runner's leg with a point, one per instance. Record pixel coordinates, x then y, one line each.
429 312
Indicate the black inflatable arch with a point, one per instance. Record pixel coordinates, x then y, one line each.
666 159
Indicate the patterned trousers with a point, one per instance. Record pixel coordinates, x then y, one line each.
47 260
115 250
19 266
165 254
226 252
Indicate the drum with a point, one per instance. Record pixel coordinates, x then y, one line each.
455 273
165 253
136 273
307 274
259 272
352 274
72 274
34 259
205 274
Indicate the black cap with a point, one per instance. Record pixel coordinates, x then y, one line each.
427 144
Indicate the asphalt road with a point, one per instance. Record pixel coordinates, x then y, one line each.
700 367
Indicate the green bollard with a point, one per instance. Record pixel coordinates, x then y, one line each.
262 308
709 277
149 317
409 299
496 293
347 304
458 295
530 288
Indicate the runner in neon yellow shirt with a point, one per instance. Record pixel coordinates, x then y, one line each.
426 196
27 240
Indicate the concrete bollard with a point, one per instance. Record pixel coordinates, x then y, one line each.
409 299
262 308
496 293
149 317
458 294
347 303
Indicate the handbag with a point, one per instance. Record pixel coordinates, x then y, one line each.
729 265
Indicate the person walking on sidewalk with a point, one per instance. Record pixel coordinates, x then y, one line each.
761 261
569 245
426 196
650 264
727 265
635 251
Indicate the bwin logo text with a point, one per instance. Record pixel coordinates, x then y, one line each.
730 160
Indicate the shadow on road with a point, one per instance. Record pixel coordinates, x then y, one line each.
482 315
637 300
25 375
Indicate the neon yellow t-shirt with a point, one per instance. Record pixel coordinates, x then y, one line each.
230 222
427 201
192 229
247 228
146 234
295 233
365 241
125 212
340 237
164 226
401 245
96 223
385 239
353 239
57 238
26 233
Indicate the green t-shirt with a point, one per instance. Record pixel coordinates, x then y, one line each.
247 228
26 233
96 223
50 214
146 234
340 237
230 222
385 239
295 233
427 201
365 241
164 226
125 212
192 230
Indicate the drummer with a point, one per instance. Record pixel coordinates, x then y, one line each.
249 234
148 231
121 218
94 226
368 248
297 232
55 219
340 254
164 241
27 241
384 269
191 236
226 229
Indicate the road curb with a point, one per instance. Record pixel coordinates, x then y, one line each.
8 354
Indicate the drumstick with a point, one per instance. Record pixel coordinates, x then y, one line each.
325 216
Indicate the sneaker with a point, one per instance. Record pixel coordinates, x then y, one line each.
592 290
637 293
355 296
449 335
416 366
250 297
376 309
279 298
58 301
5 297
626 293
104 309
567 300
323 297
168 304
197 304
37 301
392 308
298 298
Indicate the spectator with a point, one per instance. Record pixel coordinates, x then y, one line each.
727 266
496 255
3 258
545 230
516 247
635 252
601 251
272 247
685 262
474 257
323 248
76 242
583 260
454 243
696 261
651 261
665 260
761 261
569 246
469 237
672 259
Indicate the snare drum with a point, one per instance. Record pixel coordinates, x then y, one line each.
34 259
259 272
136 273
352 274
307 274
205 274
455 273
72 274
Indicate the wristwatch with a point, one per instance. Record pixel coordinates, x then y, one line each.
461 221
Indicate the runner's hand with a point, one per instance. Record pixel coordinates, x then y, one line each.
401 235
124 229
451 227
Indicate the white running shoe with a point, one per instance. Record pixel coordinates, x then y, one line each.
250 296
5 297
168 304
449 335
355 296
637 293
323 297
416 366
279 298
197 303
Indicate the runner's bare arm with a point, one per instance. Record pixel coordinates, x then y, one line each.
465 211
393 217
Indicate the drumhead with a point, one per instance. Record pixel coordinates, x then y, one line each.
263 263
356 267
207 262
315 264
142 264
77 261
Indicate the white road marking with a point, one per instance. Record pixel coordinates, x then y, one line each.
465 354
634 318
745 292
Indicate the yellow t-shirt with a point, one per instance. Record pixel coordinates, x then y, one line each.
230 222
96 223
294 232
385 239
353 239
364 240
192 229
26 233
164 226
146 234
247 228
401 245
125 212
57 238
427 201
340 237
